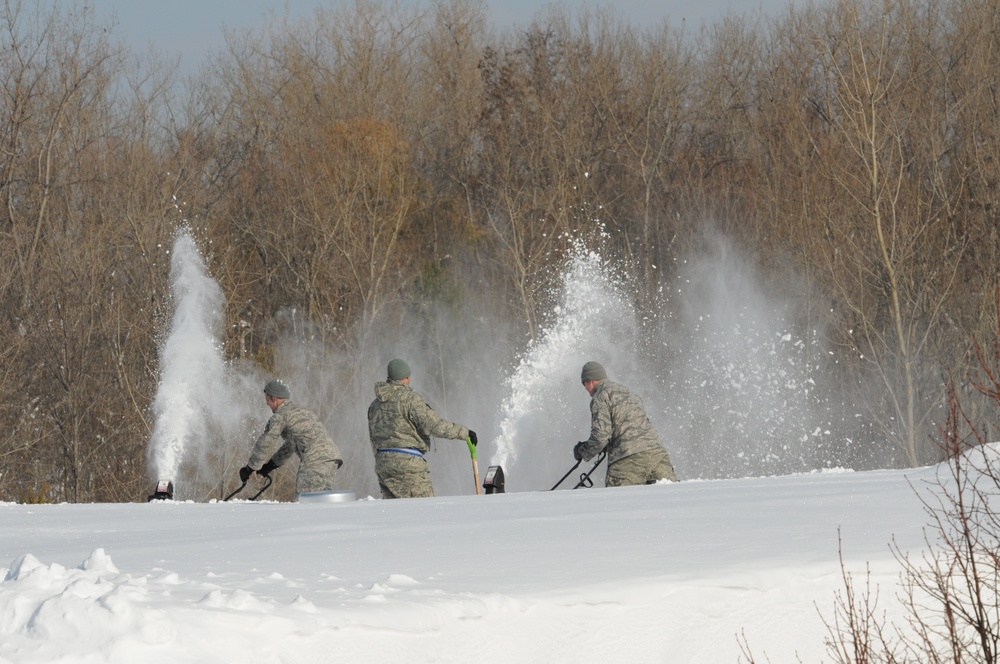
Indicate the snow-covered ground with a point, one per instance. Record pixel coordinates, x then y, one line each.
674 573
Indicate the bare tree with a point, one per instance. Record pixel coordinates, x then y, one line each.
949 592
895 253
81 350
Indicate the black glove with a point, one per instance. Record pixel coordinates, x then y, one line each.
578 451
266 469
245 473
473 437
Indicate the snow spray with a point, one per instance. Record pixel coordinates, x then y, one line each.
546 410
725 380
198 400
742 382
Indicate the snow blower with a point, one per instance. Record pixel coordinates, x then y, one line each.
493 482
164 491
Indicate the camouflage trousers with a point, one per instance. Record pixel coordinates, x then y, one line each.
316 476
641 468
402 475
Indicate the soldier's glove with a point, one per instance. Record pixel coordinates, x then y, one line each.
578 451
473 438
245 473
266 469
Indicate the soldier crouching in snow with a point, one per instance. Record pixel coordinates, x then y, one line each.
400 426
293 428
619 424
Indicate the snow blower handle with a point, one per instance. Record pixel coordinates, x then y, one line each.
267 483
585 480
568 472
238 489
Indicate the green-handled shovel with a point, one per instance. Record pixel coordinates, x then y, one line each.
475 464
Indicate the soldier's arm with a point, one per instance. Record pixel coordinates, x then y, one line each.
600 429
430 424
281 456
267 444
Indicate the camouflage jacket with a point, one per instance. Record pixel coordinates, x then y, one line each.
618 422
293 428
399 417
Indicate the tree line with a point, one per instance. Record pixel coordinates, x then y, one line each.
376 164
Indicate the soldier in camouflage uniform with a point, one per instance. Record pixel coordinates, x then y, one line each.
618 424
400 426
293 428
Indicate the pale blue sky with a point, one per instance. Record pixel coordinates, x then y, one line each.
193 28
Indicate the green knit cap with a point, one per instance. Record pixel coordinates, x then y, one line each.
593 371
398 370
278 389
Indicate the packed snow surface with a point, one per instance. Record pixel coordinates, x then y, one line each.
674 572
